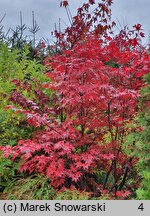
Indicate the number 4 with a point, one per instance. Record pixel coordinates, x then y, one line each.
141 207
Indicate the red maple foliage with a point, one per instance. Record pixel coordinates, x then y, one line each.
96 88
99 97
85 21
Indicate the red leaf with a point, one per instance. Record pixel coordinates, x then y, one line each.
137 27
142 34
63 3
92 2
122 193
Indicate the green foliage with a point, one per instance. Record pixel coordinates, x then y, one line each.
12 126
137 143
143 191
7 170
8 62
112 64
72 194
11 66
33 188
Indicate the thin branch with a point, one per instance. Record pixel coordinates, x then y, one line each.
2 18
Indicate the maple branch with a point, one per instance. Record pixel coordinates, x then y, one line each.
114 164
108 173
120 186
69 15
116 133
127 169
94 186
82 130
52 128
116 178
62 110
109 120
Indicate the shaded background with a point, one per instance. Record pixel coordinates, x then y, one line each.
48 12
